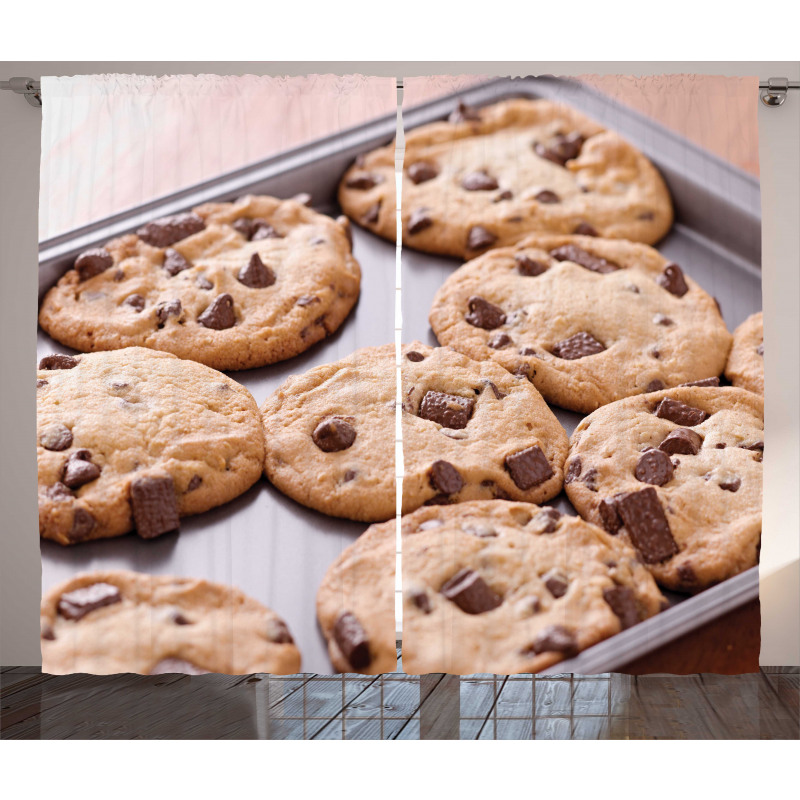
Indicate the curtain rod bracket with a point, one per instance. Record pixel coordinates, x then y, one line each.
28 87
773 91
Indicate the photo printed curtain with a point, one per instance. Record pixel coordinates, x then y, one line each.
210 328
576 397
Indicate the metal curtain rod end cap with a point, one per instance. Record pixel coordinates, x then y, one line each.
775 93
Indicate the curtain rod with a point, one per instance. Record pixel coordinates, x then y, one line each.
773 90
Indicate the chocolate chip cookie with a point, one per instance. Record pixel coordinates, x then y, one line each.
355 604
677 474
107 622
489 176
136 439
499 587
330 436
472 431
231 285
587 320
745 367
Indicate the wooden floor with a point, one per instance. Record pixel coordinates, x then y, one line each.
761 705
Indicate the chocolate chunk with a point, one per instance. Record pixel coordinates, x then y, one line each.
547 197
58 492
421 171
529 467
464 113
244 225
413 355
585 229
672 280
220 314
204 283
167 309
682 441
168 230
470 592
660 319
498 341
527 351
47 633
58 361
177 666
561 149
40 383
654 467
704 382
590 479
687 574
445 478
547 519
366 180
278 633
529 267
56 437
194 483
449 410
720 445
419 220
351 638
263 230
478 182
334 434
479 238
421 601
680 413
349 475
646 215
92 263
760 349
255 274
83 523
623 603
506 194
553 638
609 515
372 214
179 619
174 262
577 255
556 583
119 275
756 446
483 314
79 470
134 301
497 393
647 526
655 385
79 602
578 346
155 506
731 484
574 470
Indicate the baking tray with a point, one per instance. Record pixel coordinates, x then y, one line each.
272 548
716 238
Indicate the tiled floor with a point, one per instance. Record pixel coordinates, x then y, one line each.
398 706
